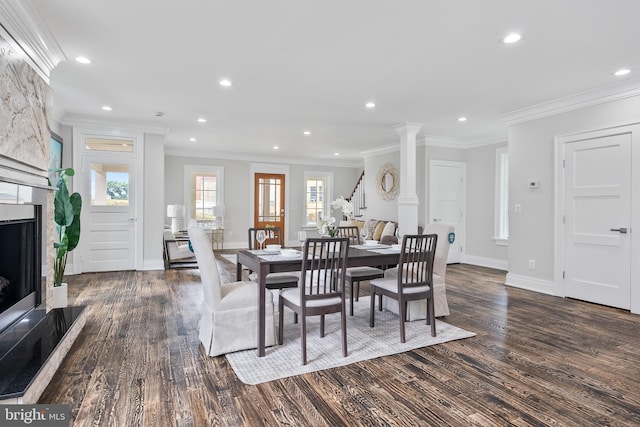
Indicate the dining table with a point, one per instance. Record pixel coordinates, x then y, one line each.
264 262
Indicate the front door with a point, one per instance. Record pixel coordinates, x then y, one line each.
597 207
446 201
269 191
108 213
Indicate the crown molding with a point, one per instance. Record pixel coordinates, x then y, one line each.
601 95
25 27
249 157
128 125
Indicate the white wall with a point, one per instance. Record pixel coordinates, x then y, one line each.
531 156
237 192
153 200
377 208
480 224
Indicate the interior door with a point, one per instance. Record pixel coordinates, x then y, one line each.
269 192
108 213
597 218
446 201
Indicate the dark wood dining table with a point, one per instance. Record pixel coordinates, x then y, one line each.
264 264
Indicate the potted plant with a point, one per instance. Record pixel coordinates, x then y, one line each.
66 208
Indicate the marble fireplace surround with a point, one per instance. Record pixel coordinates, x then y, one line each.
30 356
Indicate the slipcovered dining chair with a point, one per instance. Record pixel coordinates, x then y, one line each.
274 280
413 282
416 310
355 275
321 289
229 311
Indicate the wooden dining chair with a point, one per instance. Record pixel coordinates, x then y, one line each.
413 282
321 289
355 275
274 280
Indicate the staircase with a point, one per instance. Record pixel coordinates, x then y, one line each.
358 198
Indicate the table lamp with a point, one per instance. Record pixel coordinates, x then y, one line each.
218 212
176 213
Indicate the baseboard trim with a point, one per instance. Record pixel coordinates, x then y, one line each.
153 264
531 284
499 264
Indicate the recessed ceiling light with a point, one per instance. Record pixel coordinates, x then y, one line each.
336 154
225 82
512 38
370 104
202 120
622 72
83 60
275 147
462 119
106 108
306 132
192 139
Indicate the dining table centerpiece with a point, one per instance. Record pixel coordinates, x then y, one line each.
327 226
343 205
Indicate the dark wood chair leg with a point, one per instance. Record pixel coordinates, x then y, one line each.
380 302
351 298
358 290
343 319
402 308
432 317
303 337
373 309
280 321
322 326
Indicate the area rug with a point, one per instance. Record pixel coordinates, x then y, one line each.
363 343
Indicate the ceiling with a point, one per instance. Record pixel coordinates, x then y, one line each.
300 65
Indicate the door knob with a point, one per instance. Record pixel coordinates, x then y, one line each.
621 230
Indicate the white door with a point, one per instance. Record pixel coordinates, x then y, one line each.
597 220
446 201
108 213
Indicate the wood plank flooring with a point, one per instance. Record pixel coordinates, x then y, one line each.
537 360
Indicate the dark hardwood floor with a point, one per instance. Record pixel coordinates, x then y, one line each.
536 360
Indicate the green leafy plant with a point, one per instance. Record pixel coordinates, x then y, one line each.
66 209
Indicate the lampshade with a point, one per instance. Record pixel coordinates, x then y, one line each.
175 211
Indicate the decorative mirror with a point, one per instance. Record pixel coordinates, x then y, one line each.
387 182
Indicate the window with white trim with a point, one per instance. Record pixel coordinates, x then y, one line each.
317 196
501 233
203 192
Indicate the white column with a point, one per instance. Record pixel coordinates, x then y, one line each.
408 198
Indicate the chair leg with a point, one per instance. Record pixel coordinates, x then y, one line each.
295 317
358 291
351 298
402 307
303 337
343 316
280 321
432 317
322 326
380 302
373 309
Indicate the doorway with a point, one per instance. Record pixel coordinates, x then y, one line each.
596 207
447 201
269 200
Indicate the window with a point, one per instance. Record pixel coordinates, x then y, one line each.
502 197
204 191
109 184
317 185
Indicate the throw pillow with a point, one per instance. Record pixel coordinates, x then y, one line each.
389 229
378 231
370 226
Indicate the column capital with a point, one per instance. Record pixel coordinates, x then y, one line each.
408 128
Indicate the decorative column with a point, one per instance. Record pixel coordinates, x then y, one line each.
408 198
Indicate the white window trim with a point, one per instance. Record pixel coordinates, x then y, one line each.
206 169
501 198
328 194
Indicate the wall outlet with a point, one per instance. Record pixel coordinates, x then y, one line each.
532 264
517 208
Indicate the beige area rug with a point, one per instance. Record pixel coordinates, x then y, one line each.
363 343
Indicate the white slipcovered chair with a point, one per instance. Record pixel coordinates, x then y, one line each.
416 310
229 311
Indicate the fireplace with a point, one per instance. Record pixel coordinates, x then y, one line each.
20 261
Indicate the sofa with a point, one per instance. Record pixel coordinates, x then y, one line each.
383 231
